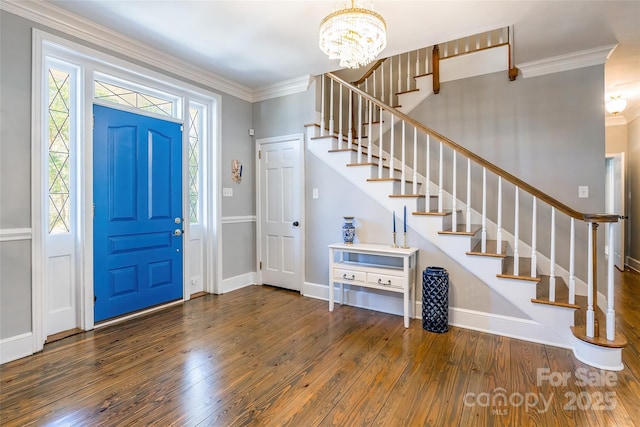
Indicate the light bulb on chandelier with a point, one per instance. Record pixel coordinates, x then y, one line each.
354 34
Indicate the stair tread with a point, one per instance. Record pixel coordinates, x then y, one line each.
427 213
461 230
422 75
524 269
362 164
407 91
562 293
491 249
407 196
391 180
580 332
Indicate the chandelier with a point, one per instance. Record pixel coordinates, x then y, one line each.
355 35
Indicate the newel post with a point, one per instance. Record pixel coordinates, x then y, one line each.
592 327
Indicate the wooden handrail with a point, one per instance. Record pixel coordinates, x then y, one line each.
368 73
483 162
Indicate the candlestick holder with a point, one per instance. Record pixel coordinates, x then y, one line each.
394 245
405 241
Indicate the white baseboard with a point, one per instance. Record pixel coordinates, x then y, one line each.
237 282
16 347
512 327
633 264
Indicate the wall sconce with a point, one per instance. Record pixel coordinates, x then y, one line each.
615 104
236 170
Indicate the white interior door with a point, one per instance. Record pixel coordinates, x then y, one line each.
614 195
280 201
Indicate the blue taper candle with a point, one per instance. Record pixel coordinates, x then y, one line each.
405 219
394 221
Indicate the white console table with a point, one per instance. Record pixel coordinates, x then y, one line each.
373 266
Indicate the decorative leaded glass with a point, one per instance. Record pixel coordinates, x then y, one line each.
195 130
59 83
133 98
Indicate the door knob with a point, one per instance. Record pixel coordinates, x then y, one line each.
296 223
177 232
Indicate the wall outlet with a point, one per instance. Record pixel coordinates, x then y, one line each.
227 192
583 192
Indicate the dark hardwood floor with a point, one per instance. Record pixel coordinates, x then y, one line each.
265 356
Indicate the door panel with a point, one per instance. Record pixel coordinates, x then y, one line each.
138 205
280 209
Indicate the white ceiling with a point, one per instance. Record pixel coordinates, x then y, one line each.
259 43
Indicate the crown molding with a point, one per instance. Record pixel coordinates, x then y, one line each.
570 61
286 87
59 19
617 120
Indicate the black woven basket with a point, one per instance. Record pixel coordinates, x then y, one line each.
435 299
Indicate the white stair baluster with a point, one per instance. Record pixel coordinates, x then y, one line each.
415 161
382 82
468 195
440 179
323 117
350 130
484 211
360 128
428 175
391 98
408 71
572 262
611 314
331 109
370 133
454 196
391 149
552 260
417 73
534 238
427 54
380 146
403 176
375 81
516 235
399 74
499 224
590 313
340 134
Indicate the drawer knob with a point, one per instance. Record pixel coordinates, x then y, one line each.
384 284
353 277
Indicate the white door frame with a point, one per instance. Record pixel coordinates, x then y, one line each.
623 172
89 60
299 138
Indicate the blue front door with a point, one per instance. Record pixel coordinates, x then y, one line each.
137 222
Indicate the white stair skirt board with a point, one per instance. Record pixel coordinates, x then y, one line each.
238 282
16 347
555 321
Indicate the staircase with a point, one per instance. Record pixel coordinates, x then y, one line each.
446 191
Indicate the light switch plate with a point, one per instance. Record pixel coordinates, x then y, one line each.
583 192
315 193
227 192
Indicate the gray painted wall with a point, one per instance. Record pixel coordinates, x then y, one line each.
633 224
15 175
547 131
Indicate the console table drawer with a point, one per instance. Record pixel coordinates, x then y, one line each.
385 280
346 276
